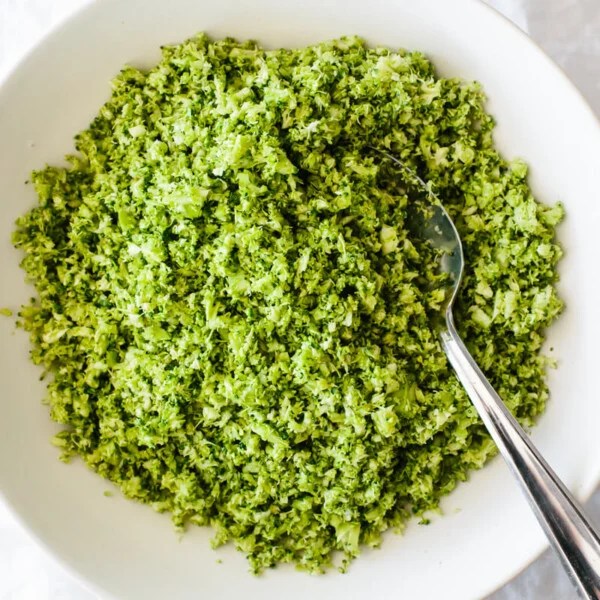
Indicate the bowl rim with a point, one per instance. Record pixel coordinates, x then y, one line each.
584 494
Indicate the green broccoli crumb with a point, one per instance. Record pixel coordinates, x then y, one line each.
236 317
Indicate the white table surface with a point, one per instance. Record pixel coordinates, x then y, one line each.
569 30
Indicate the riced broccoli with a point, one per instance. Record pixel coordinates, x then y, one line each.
235 316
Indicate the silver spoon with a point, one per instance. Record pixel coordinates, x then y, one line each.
568 529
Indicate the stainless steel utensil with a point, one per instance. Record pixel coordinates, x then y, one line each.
568 529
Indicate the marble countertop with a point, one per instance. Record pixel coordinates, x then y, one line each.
568 30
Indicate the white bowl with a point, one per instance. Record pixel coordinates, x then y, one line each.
487 533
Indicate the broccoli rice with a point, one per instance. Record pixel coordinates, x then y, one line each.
235 318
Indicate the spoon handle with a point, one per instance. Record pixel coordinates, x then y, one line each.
562 518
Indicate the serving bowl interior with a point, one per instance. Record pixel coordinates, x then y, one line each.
487 533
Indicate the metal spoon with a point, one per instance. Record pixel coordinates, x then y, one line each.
568 529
